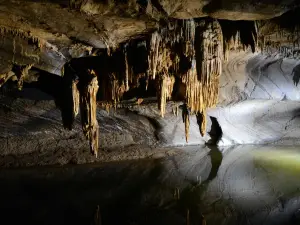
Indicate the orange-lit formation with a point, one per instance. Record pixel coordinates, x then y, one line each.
187 52
202 45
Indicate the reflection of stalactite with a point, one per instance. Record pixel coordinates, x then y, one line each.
88 89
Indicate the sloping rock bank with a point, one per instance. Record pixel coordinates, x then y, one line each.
258 104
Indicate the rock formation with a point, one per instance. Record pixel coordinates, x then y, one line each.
113 55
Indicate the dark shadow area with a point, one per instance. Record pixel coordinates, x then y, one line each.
159 7
50 84
191 195
296 75
271 8
289 20
199 117
247 30
215 131
71 195
216 158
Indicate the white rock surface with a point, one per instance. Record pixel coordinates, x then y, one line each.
258 100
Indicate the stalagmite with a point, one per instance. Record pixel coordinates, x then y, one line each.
22 35
88 88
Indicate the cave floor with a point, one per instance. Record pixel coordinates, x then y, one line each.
232 185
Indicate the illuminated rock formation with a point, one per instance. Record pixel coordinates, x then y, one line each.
123 54
81 93
88 89
202 45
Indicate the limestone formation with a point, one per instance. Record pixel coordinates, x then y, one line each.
88 89
125 54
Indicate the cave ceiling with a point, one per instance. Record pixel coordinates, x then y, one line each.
185 42
73 28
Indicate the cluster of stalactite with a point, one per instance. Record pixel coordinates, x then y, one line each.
21 72
88 89
201 45
18 73
185 51
112 74
81 89
281 35
22 35
281 40
164 58
239 35
164 91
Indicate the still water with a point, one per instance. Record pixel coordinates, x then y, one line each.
234 185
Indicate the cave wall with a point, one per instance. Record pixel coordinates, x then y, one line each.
239 77
259 101
31 131
258 104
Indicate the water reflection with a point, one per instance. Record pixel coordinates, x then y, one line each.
232 186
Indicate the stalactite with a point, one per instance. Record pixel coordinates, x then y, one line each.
69 108
160 63
21 72
154 53
88 88
202 80
202 45
203 124
166 84
6 76
128 76
239 35
23 35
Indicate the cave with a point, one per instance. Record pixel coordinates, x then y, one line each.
150 112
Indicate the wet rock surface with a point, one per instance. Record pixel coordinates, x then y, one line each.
237 185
